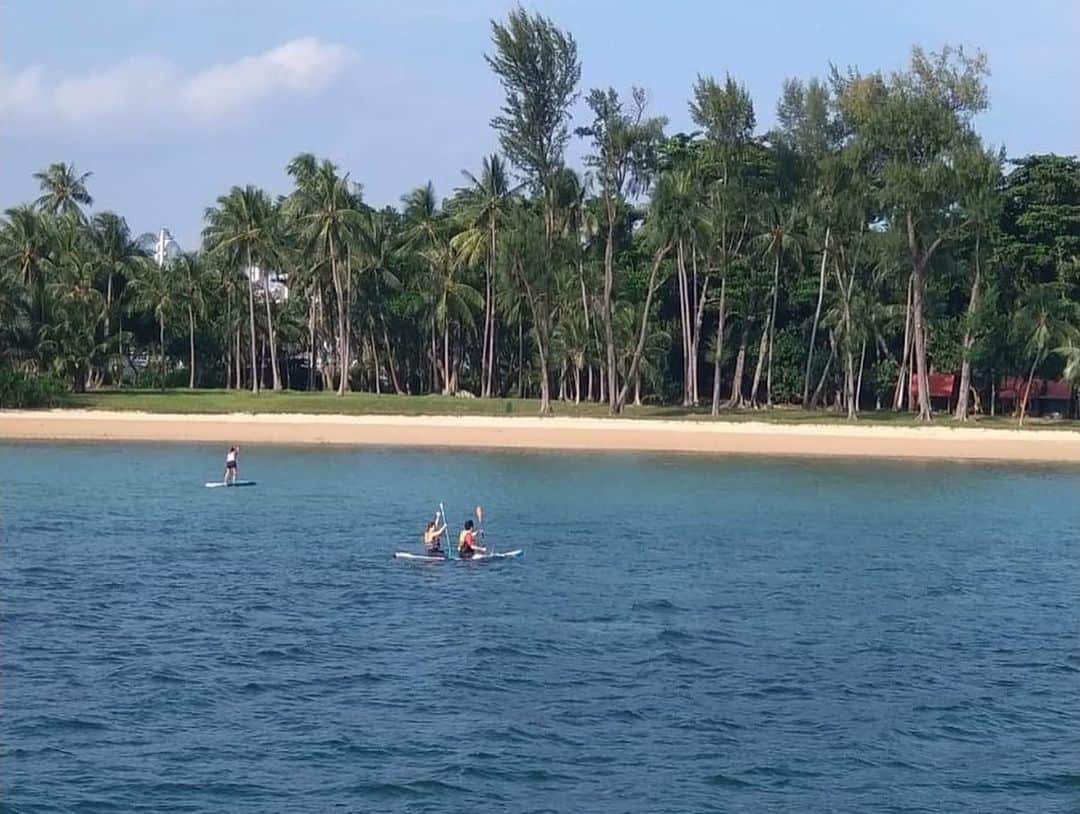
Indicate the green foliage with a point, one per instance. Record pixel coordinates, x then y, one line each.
19 390
871 186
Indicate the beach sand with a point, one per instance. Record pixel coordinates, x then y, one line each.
593 434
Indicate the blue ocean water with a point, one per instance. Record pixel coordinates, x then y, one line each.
682 635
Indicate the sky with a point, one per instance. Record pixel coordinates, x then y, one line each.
170 103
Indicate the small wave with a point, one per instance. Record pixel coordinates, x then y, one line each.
414 789
728 781
655 606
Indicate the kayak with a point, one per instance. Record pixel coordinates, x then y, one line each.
216 484
498 555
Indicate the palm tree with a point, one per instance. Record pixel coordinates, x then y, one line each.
78 308
779 243
118 254
26 241
63 191
238 230
485 207
157 291
326 209
1044 318
191 283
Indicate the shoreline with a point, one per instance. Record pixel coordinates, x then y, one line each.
550 434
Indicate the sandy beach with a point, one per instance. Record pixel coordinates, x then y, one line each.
482 432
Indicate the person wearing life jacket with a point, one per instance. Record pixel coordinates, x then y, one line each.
467 546
231 464
433 537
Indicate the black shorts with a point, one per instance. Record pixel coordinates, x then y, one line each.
230 464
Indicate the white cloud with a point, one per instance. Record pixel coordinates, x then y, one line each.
150 93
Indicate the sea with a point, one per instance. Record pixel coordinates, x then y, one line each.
683 634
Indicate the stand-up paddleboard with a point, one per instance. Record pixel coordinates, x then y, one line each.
216 484
405 555
498 555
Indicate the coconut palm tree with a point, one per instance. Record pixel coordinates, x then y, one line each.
238 229
118 255
192 280
326 209
1045 318
78 308
484 208
63 191
157 290
26 241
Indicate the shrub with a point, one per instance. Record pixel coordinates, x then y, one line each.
19 389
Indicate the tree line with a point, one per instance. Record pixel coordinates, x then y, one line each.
870 239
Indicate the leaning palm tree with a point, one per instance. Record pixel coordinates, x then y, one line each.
63 191
238 231
1046 316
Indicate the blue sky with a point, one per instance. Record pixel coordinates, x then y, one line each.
171 103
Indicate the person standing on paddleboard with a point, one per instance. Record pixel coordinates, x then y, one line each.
467 546
433 536
231 464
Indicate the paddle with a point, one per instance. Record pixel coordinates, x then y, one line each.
446 530
480 524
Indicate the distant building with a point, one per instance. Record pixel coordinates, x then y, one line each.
277 282
165 248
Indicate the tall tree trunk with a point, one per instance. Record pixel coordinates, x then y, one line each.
191 346
448 384
390 357
772 328
759 365
1027 390
695 336
271 334
521 359
635 360
920 262
343 340
311 344
817 319
375 357
251 323
161 344
719 357
921 372
108 304
684 318
903 382
606 309
736 399
824 373
859 380
969 340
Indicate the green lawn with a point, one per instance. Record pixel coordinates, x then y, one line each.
230 401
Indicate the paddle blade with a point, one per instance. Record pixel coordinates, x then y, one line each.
479 515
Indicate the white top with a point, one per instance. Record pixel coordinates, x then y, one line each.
230 456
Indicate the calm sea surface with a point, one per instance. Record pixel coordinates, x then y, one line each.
682 635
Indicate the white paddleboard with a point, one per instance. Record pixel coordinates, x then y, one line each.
405 555
498 555
216 484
